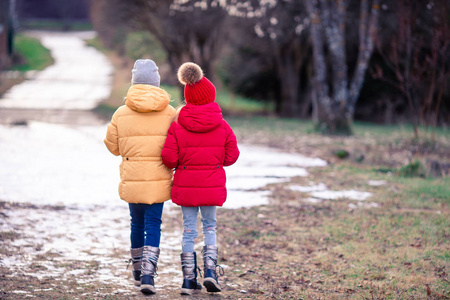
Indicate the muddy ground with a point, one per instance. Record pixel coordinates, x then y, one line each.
297 247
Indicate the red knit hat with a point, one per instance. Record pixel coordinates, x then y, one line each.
198 90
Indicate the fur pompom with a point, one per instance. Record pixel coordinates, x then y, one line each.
189 73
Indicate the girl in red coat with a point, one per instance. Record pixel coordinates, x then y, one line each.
198 145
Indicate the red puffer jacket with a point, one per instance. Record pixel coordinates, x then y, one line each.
199 145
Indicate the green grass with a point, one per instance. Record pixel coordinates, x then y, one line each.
401 131
56 25
95 43
237 104
426 192
35 56
142 44
271 125
174 93
225 99
387 252
361 129
390 251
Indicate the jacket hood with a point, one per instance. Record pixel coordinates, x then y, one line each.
200 118
146 98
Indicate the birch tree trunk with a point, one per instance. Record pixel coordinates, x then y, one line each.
367 34
323 114
336 96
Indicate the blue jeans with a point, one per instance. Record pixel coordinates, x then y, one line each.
190 232
145 224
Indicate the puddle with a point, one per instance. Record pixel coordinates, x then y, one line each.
69 165
258 167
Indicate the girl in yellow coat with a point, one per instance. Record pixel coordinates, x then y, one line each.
137 132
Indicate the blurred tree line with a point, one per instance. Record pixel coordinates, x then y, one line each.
7 18
332 60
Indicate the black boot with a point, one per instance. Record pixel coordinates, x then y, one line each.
136 258
189 267
210 256
149 263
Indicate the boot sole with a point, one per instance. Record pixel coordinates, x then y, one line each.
211 285
186 292
148 289
189 291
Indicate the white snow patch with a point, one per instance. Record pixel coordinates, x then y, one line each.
258 167
239 199
313 200
350 194
320 192
376 182
20 292
250 183
363 205
263 156
307 189
240 170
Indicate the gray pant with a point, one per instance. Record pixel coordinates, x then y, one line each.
190 232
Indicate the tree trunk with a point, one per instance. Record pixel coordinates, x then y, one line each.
339 123
333 17
327 116
289 87
367 34
336 104
307 97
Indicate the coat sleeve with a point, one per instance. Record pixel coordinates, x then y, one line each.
231 148
169 153
112 138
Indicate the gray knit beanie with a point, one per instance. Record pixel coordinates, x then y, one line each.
145 71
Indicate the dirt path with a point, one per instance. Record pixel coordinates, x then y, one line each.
63 223
79 78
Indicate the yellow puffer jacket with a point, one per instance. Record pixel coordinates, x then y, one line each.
137 132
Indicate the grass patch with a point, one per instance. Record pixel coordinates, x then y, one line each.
426 193
174 93
413 169
327 250
385 149
236 104
140 44
34 55
56 25
363 128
